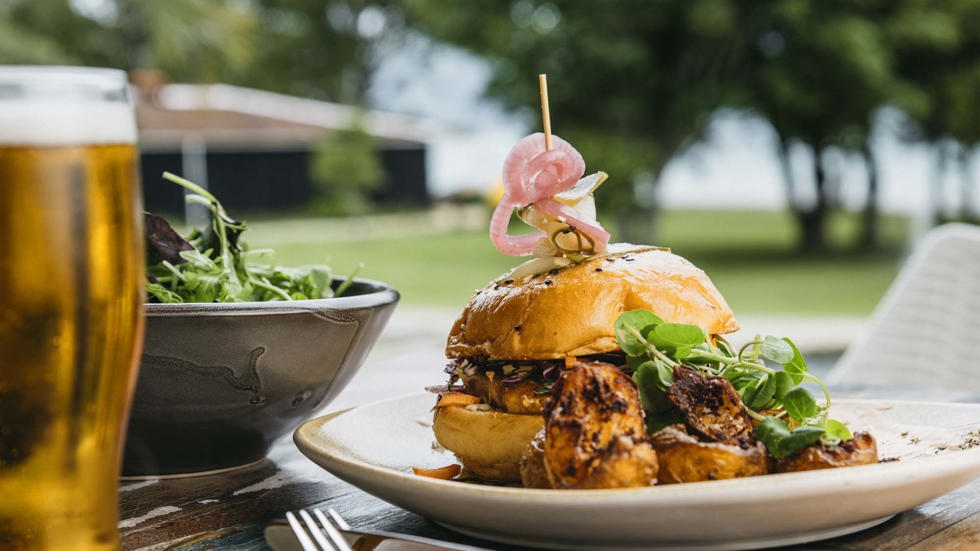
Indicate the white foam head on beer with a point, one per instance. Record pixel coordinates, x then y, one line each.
52 106
47 123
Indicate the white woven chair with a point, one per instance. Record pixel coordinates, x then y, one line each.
925 332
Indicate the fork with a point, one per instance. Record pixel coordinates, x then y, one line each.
325 536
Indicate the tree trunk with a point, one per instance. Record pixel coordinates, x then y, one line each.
868 238
789 183
968 188
812 220
937 210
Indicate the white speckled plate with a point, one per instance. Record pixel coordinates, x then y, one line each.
375 446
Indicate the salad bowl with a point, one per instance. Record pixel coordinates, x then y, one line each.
219 382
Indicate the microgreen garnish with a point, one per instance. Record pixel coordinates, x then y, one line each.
769 373
212 264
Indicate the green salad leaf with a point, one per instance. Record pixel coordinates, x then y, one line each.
768 372
212 264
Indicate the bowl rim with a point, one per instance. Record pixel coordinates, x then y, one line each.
382 294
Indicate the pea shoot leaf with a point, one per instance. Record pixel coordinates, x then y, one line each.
838 430
660 419
652 389
796 367
800 404
654 348
676 337
631 329
784 382
780 441
776 349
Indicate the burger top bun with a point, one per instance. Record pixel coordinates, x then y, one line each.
571 311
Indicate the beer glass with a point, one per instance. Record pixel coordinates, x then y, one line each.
71 303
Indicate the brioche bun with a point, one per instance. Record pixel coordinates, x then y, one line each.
571 311
489 443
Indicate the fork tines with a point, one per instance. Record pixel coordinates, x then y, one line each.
318 534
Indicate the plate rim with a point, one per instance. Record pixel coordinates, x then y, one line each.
303 437
906 484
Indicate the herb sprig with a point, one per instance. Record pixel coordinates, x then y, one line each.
212 264
769 373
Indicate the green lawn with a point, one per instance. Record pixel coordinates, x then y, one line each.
749 255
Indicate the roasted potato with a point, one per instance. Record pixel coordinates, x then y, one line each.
683 458
595 436
710 406
859 450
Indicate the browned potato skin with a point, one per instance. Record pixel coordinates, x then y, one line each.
594 431
859 450
533 472
684 458
710 405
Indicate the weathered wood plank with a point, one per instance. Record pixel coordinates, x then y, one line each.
230 510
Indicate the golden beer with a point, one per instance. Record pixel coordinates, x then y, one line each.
71 313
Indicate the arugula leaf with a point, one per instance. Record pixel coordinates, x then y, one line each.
210 264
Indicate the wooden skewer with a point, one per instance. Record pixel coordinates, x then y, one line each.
545 114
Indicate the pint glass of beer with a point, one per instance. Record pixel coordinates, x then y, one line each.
71 303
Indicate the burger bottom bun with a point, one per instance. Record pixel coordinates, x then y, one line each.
488 443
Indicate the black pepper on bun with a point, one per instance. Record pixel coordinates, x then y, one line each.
513 338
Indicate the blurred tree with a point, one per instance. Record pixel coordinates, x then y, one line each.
937 51
819 72
324 50
190 40
345 169
23 42
632 82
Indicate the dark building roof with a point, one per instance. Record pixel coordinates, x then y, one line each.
253 148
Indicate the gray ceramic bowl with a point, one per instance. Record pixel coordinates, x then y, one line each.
219 382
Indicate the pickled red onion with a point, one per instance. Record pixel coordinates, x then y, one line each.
514 245
570 216
532 172
532 175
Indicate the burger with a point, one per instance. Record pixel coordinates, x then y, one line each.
515 337
540 391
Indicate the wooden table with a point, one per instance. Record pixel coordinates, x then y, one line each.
230 510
